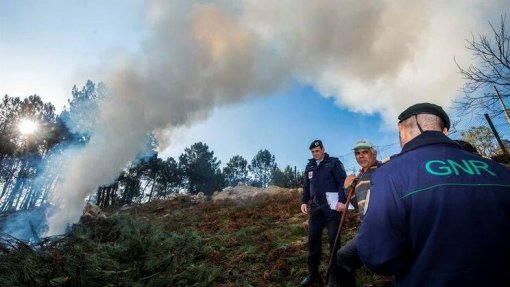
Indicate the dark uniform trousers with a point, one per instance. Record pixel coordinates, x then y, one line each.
348 262
320 217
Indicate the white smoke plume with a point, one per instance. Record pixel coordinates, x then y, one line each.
372 56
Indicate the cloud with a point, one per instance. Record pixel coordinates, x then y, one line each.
377 56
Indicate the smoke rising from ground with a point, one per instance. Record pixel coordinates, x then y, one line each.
377 56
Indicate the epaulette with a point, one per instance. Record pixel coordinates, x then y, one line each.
386 160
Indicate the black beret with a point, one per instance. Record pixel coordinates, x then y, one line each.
425 108
316 143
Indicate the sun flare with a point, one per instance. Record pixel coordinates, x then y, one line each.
27 126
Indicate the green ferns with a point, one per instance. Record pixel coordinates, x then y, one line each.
171 243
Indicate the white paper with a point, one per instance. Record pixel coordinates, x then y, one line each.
332 198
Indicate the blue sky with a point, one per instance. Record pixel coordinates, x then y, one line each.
285 124
48 46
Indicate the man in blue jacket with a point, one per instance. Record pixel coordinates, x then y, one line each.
323 186
437 215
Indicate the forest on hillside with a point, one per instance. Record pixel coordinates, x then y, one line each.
31 164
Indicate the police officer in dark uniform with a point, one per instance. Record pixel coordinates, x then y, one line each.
437 215
323 186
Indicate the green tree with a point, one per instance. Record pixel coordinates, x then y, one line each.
151 169
482 138
129 184
80 118
288 178
236 170
12 112
9 115
21 154
262 166
278 178
293 178
200 170
170 179
23 157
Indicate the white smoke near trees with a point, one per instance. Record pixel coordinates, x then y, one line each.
371 56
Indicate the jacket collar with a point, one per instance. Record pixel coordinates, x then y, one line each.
326 157
428 138
375 166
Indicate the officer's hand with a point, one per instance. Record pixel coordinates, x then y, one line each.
340 207
348 180
304 208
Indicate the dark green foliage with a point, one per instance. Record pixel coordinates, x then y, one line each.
262 166
278 178
200 169
293 178
169 179
12 111
112 252
289 178
21 155
236 170
261 242
83 111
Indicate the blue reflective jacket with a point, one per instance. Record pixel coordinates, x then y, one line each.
438 216
328 176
